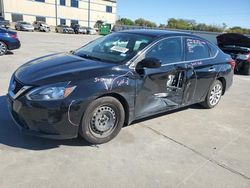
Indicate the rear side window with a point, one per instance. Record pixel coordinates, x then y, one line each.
196 49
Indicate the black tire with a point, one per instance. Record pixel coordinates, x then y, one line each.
209 102
246 69
3 48
56 30
110 107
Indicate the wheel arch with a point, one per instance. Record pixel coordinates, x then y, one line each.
124 103
224 84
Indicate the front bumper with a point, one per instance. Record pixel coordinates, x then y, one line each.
54 120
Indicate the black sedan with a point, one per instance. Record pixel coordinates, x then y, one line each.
115 80
238 46
8 41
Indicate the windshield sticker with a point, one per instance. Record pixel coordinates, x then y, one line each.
192 43
120 49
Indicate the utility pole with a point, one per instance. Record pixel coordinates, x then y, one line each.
56 11
89 13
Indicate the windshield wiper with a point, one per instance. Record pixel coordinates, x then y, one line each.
86 56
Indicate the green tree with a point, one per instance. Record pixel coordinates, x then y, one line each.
126 21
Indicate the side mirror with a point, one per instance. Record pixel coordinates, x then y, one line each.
151 63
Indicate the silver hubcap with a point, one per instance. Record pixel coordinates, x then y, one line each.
2 48
103 121
215 94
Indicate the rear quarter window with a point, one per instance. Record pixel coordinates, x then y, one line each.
196 49
213 49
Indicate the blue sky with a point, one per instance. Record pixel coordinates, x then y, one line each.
231 12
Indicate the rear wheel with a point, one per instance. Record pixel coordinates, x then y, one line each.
102 120
214 95
3 48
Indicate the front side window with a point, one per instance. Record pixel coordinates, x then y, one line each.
114 48
74 3
40 1
196 49
168 50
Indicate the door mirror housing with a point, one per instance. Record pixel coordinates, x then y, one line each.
151 63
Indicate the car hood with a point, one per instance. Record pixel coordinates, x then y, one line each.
59 68
233 39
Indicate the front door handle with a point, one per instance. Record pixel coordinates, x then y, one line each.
212 69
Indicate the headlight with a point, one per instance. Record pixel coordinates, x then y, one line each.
243 56
51 92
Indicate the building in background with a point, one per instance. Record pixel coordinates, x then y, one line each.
55 12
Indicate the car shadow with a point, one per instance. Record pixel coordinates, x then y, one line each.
12 137
9 53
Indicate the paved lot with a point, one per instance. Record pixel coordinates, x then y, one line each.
191 147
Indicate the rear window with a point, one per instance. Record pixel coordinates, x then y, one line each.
196 49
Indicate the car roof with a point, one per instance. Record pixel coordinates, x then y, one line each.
157 33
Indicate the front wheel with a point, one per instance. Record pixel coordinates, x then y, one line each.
3 48
102 120
214 95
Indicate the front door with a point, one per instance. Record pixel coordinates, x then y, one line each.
161 89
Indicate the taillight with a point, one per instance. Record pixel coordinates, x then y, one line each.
13 36
232 63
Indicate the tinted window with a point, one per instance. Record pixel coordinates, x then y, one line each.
40 18
196 49
16 17
62 2
40 1
62 22
109 9
168 51
74 3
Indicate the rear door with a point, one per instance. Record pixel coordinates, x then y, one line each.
198 56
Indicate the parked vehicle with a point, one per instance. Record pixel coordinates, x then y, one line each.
4 23
8 41
64 29
79 29
238 46
41 26
91 31
24 26
115 80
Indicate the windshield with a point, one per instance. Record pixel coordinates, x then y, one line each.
114 48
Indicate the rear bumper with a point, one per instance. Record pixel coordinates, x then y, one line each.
13 45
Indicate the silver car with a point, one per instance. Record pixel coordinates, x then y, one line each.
41 26
24 26
64 29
